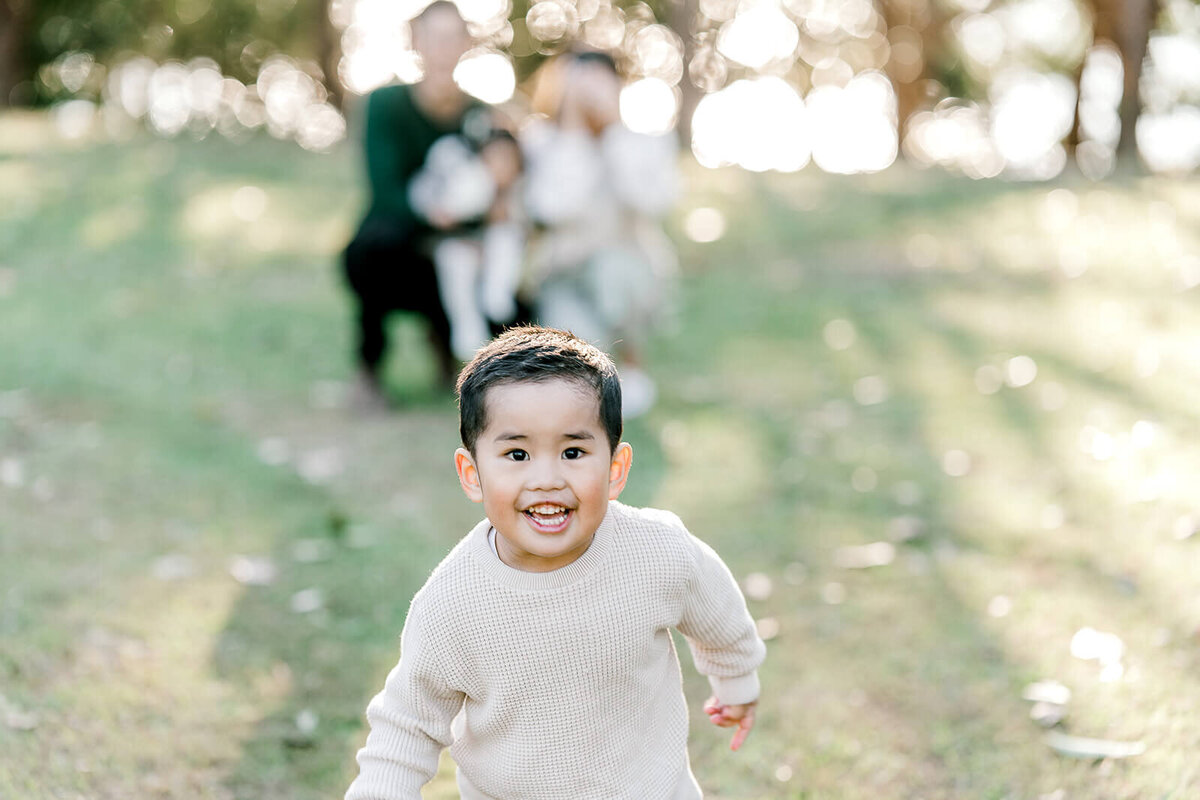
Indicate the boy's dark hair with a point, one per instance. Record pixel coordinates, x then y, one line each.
533 353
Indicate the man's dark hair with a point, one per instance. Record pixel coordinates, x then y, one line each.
532 353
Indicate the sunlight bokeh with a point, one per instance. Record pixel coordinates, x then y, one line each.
854 127
759 124
175 98
487 75
649 105
843 86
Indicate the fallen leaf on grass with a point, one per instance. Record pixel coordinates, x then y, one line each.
795 573
15 718
1186 527
768 628
999 606
905 528
252 571
1090 644
1081 747
173 567
1047 714
321 466
758 586
12 473
306 721
303 735
1047 692
1049 700
876 554
8 281
833 593
274 451
312 551
328 395
306 601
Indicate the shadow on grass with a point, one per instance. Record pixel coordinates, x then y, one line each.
889 682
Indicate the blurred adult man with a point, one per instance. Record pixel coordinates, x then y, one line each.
387 265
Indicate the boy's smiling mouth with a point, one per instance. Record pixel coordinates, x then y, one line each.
548 517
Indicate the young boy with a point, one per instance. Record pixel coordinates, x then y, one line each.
539 650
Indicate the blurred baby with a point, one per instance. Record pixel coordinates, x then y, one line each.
469 184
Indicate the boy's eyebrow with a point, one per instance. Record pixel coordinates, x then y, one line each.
580 436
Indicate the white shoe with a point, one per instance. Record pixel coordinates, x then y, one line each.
638 393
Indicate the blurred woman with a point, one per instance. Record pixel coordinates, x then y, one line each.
601 263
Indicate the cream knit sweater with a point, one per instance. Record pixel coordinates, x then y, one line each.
565 684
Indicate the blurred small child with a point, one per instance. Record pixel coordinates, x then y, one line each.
470 181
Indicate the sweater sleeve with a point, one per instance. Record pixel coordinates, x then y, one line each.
410 723
719 629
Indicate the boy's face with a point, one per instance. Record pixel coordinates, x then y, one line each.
543 471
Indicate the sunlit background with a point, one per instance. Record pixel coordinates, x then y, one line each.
934 391
983 88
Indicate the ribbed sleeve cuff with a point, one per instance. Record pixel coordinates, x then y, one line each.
735 691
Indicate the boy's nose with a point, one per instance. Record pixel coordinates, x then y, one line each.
545 475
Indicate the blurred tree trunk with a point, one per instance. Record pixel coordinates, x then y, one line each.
1127 25
914 29
13 22
680 19
1075 134
329 52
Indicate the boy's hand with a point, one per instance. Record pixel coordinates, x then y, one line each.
728 716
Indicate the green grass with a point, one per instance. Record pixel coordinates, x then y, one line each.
153 345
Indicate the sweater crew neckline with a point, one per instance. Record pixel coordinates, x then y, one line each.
514 578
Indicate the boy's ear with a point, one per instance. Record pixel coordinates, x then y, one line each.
468 475
618 472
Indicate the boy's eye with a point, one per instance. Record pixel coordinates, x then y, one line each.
517 455
573 453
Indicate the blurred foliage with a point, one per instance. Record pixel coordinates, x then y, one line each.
238 34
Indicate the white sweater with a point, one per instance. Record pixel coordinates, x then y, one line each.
567 682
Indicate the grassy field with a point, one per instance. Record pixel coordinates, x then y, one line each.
988 391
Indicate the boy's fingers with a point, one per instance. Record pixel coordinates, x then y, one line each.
744 726
738 737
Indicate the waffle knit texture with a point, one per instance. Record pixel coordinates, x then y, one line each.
565 684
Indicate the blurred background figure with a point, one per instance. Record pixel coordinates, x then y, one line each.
602 265
388 264
471 179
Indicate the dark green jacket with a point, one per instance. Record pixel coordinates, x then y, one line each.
398 137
